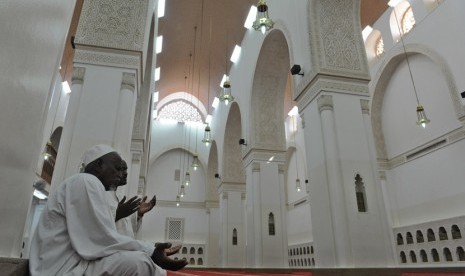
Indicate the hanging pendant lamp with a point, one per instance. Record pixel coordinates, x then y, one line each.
262 22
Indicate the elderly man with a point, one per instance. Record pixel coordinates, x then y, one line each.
76 234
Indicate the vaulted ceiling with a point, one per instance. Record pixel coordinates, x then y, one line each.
198 40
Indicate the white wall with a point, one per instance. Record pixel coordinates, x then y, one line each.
31 48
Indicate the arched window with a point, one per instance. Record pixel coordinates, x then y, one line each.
309 262
400 239
271 228
308 250
200 251
403 258
409 238
379 47
180 111
184 250
301 253
460 254
442 234
313 262
430 235
192 250
424 256
447 254
234 237
191 261
413 256
408 21
435 255
360 194
456 232
311 249
305 262
420 237
290 252
200 261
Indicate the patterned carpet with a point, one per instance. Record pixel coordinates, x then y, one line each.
230 273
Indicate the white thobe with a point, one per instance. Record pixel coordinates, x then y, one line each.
76 235
126 226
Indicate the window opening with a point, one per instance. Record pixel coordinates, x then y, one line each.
400 239
409 238
424 256
435 255
234 237
430 235
447 254
420 237
408 21
413 256
360 194
442 234
456 232
271 226
403 258
460 254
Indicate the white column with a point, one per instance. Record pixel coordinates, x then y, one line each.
125 115
68 130
213 245
265 195
335 183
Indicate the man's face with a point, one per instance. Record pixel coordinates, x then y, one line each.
111 171
124 173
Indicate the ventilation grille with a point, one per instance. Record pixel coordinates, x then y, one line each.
426 149
177 175
300 203
174 229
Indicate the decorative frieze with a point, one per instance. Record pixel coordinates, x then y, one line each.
116 24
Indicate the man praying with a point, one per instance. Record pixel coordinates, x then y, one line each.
76 234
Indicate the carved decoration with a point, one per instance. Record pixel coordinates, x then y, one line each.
118 24
107 59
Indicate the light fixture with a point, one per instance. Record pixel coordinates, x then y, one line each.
187 178
262 22
207 136
421 115
182 191
226 96
242 142
195 162
297 184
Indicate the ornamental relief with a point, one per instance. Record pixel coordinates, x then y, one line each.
338 35
113 23
335 42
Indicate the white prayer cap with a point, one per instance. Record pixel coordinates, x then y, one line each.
93 154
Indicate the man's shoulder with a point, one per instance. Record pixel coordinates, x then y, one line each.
82 178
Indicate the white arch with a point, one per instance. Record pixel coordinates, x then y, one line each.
185 97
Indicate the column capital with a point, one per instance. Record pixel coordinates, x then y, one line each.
78 75
259 155
365 104
129 81
325 102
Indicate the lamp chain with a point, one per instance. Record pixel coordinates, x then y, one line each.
406 56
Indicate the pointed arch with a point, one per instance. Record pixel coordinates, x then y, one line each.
268 90
383 77
233 169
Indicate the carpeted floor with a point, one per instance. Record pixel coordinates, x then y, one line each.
230 273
